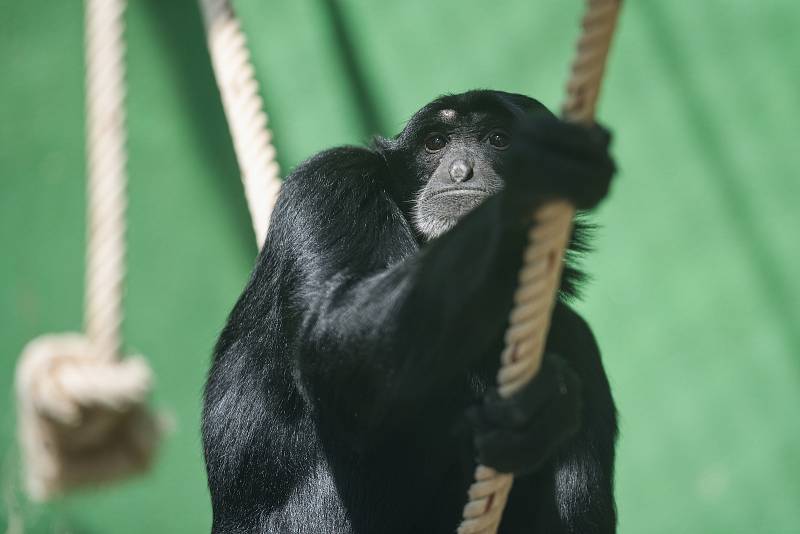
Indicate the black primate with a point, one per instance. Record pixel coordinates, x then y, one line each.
352 387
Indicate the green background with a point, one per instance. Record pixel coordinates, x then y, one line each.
695 299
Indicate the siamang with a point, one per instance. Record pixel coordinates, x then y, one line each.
352 389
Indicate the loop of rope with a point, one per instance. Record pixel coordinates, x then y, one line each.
81 420
244 110
106 202
542 265
59 387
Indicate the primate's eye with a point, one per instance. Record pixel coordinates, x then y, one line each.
435 142
499 140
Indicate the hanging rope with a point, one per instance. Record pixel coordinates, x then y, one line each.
106 155
81 409
542 265
244 110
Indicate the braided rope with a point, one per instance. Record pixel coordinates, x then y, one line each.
542 265
105 93
244 110
81 409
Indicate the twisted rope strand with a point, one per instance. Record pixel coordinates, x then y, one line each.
244 110
106 184
81 414
542 266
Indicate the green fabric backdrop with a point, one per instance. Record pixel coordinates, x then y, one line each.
695 299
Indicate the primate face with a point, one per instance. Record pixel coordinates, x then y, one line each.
461 155
458 148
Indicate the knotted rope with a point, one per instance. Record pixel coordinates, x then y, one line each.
542 265
81 409
244 110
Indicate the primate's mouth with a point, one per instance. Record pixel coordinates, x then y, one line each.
457 191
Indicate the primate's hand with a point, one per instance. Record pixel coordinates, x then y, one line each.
550 158
520 433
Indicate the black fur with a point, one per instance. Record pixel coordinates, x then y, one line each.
337 394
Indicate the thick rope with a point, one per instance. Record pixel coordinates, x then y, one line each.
244 110
105 93
542 265
81 408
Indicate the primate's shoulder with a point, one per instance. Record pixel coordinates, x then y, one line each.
347 160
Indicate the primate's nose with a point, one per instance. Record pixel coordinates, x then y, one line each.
460 170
